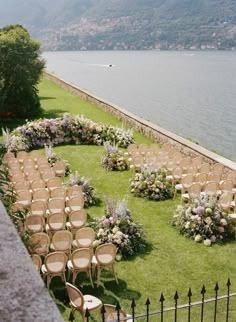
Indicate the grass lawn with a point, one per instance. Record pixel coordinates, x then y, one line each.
172 262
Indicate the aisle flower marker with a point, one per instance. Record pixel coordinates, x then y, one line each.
113 159
204 221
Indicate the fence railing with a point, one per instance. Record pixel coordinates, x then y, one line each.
226 314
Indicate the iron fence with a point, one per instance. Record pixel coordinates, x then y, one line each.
173 311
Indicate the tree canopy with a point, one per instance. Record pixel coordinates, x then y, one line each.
20 69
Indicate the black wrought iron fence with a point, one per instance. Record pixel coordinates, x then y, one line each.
224 314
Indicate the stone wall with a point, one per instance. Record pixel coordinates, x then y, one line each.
23 296
151 130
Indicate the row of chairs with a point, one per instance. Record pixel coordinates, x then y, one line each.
80 260
55 222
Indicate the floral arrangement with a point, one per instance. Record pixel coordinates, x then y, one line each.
117 227
69 128
53 157
151 184
90 194
203 221
113 159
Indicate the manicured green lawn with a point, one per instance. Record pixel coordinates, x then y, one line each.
171 263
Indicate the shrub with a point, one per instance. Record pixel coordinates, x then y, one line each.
203 221
151 184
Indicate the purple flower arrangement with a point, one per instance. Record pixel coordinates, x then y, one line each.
203 221
113 159
117 227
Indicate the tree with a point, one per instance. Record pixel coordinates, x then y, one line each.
20 69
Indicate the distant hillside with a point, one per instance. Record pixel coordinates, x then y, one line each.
125 24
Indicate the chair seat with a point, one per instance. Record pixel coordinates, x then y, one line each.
91 302
35 227
55 226
76 224
84 242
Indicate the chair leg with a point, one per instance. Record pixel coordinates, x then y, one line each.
113 270
98 275
90 277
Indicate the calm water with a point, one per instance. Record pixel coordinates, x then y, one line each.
192 94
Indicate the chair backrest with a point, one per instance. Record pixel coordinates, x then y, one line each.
35 154
56 205
187 181
29 162
132 147
197 161
142 148
28 169
21 185
21 155
31 176
194 190
84 237
13 163
78 218
34 224
214 176
74 191
177 172
76 202
191 169
8 156
62 240
226 199
56 221
41 194
55 262
205 167
185 162
226 185
53 183
37 184
211 188
47 174
106 254
43 167
75 296
24 195
59 168
19 176
111 313
41 160
38 208
150 160
201 178
59 192
37 261
231 175
219 167
81 258
39 243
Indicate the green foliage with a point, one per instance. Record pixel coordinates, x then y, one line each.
20 71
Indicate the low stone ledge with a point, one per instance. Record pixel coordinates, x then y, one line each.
23 296
151 130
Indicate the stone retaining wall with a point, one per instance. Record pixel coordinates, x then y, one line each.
23 296
151 130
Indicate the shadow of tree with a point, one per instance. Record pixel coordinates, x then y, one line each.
53 113
46 98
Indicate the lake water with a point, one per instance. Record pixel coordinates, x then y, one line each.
192 94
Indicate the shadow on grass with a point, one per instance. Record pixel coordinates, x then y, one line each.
11 124
46 98
53 113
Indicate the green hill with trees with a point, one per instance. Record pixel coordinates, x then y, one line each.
125 24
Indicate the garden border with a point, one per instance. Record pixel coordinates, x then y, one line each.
149 129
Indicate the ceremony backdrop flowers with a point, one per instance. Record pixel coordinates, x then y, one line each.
117 227
73 129
151 184
203 221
